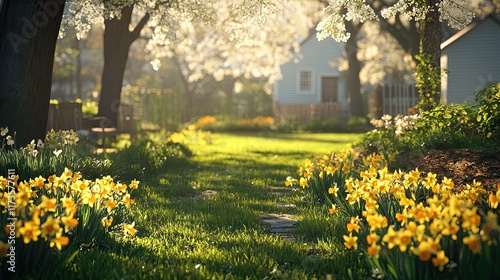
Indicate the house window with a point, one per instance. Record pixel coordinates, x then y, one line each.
305 83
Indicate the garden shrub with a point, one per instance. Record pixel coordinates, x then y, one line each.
144 155
329 125
488 114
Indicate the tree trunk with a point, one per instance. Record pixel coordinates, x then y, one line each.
429 70
353 81
28 36
117 40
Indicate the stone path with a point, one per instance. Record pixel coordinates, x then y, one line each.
281 224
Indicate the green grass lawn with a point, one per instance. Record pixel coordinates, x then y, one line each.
184 236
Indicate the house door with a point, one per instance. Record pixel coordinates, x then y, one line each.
329 89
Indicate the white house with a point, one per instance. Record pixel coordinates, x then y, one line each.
472 58
310 87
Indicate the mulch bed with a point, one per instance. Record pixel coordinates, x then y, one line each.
461 165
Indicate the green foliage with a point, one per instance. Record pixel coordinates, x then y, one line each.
89 107
443 127
446 126
330 125
146 156
488 114
428 82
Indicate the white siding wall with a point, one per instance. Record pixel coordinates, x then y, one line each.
316 57
473 62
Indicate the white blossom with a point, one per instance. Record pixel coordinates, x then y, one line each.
457 13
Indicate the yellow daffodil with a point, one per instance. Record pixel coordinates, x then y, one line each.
110 204
107 222
69 222
59 240
412 177
423 251
471 220
372 238
69 205
48 204
390 238
447 184
351 241
89 198
303 182
129 229
434 243
127 201
373 250
473 241
30 232
404 239
134 185
376 222
440 260
430 180
416 230
451 228
50 227
493 200
333 190
4 248
353 224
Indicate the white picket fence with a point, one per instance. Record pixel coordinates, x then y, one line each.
394 99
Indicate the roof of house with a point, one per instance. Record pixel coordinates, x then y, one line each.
470 27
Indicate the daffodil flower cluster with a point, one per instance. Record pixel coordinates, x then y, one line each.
427 211
58 208
410 212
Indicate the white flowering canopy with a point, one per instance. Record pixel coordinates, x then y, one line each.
249 38
457 13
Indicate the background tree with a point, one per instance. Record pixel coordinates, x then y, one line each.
28 35
427 13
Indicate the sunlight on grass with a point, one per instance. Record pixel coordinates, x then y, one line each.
181 234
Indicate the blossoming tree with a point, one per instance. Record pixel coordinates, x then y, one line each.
428 14
28 33
202 51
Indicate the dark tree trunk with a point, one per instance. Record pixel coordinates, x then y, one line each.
353 81
429 74
28 36
117 41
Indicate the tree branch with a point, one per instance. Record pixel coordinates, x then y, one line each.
134 35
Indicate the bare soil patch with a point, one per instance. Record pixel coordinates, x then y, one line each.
461 165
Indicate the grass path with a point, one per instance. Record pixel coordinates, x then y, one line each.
186 236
